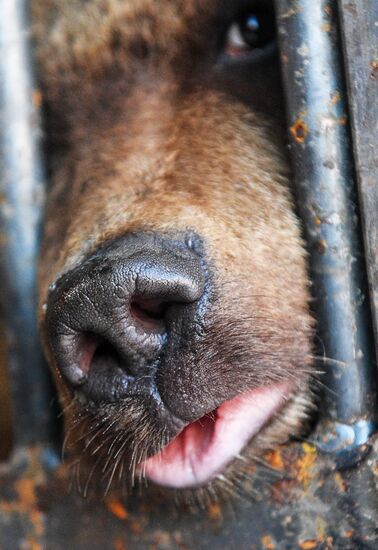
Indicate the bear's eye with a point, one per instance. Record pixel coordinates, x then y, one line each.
253 30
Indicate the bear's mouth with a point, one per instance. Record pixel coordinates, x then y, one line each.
202 450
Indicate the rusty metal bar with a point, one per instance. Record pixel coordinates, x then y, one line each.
21 200
324 177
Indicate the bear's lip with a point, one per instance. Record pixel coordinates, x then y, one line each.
205 447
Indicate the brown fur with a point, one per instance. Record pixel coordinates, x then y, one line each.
149 132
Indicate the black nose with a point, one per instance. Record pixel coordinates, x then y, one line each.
108 320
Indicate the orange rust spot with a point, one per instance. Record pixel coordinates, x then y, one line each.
267 542
308 448
214 512
29 543
119 544
349 534
28 503
335 97
305 465
318 221
274 458
25 504
32 544
328 10
26 491
37 98
117 508
308 544
321 246
342 120
326 27
282 491
299 130
340 482
373 68
36 519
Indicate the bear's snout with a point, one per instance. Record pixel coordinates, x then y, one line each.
109 319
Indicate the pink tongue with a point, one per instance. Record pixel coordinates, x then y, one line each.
206 446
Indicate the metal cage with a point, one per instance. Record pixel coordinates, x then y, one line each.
321 494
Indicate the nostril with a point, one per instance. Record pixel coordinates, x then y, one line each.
150 314
105 355
96 352
88 345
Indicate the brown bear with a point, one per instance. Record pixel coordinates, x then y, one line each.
173 287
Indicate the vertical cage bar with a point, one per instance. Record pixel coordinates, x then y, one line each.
324 177
359 33
21 180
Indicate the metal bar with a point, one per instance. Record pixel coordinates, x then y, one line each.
324 178
359 32
21 202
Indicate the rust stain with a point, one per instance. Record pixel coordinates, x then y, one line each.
335 97
305 465
373 69
37 98
321 246
326 27
119 544
274 458
340 482
117 508
308 544
343 120
299 130
24 504
267 542
31 544
291 12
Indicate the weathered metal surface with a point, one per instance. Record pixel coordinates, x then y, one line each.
324 178
359 30
22 522
21 198
301 502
